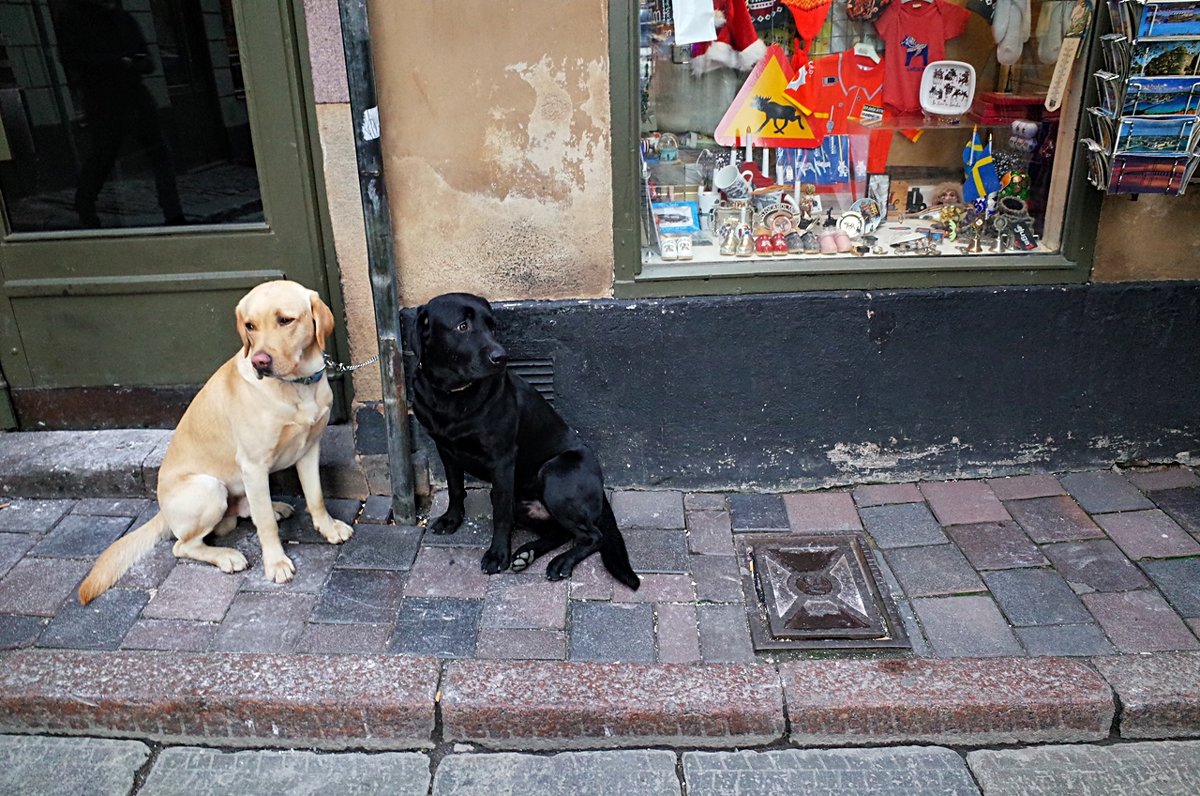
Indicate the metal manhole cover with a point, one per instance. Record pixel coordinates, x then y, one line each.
817 591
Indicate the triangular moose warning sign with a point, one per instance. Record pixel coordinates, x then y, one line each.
762 110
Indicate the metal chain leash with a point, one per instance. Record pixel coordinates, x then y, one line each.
339 369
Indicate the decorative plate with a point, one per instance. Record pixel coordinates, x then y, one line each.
947 88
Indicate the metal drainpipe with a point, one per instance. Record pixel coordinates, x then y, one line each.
360 74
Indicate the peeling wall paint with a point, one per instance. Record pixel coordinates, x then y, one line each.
497 157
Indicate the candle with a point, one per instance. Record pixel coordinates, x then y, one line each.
749 146
766 164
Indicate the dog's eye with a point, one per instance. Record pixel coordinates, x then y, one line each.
285 321
249 326
464 326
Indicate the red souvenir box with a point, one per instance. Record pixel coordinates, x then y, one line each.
995 107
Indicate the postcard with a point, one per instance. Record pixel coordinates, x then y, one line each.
1150 174
1150 135
1180 19
1161 96
1164 58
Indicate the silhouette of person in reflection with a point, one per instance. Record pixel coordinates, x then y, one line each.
106 57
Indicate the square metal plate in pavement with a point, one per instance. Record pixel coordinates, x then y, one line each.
817 591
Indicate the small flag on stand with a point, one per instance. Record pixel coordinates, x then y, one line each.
981 177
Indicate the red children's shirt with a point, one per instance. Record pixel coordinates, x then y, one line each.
914 35
839 85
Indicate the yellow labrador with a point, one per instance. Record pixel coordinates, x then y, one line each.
263 410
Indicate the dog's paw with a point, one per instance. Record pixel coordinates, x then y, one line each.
280 571
283 510
336 531
447 523
522 560
493 562
559 569
229 560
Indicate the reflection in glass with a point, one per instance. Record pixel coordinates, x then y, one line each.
123 113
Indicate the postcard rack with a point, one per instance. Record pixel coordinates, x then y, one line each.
1145 135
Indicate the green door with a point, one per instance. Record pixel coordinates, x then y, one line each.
154 166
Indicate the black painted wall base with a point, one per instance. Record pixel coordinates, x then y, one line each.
779 392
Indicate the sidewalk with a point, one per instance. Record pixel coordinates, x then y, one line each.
1041 609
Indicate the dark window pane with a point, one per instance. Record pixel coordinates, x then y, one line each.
123 113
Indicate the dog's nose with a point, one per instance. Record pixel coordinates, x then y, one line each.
261 361
498 356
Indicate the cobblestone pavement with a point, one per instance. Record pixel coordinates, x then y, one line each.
100 767
1087 564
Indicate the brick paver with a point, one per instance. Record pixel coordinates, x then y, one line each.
1166 769
1148 534
99 625
443 626
447 572
1096 565
752 512
677 631
81 536
1082 640
39 586
710 533
264 622
717 578
657 550
932 571
648 509
1035 597
95 766
635 771
1140 621
1179 580
883 494
1021 487
1053 519
170 634
195 591
210 772
512 603
1104 491
343 639
1154 479
521 644
963 502
23 515
902 525
353 596
724 634
612 632
821 511
899 771
1183 505
996 545
965 627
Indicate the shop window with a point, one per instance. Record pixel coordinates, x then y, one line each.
865 142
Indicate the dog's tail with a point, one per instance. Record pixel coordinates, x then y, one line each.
120 556
612 550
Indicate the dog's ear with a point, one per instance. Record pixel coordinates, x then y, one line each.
416 341
322 319
241 329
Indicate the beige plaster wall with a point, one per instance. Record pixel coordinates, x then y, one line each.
1155 237
495 122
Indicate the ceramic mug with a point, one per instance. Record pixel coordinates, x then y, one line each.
729 181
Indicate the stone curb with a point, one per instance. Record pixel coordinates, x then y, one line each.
226 699
575 705
1159 694
253 700
968 702
124 463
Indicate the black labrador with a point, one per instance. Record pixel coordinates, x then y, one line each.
490 423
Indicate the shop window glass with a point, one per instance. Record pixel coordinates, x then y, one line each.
799 131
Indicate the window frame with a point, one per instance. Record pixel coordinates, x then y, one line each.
633 279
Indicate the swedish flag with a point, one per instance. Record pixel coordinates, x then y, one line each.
981 177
